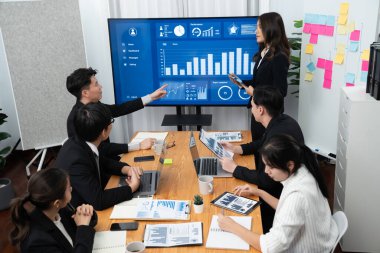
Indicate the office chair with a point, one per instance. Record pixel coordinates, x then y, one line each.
342 222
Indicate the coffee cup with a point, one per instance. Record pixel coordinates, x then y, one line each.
135 247
206 184
158 147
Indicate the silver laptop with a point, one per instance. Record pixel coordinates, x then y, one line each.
206 165
149 180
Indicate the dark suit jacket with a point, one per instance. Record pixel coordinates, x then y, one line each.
44 236
106 148
78 159
282 124
272 72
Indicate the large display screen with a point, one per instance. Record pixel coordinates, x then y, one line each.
192 55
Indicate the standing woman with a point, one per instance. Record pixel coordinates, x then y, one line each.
271 63
42 223
303 221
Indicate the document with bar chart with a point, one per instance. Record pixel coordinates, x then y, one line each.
192 55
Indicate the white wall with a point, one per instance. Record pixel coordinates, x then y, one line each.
7 101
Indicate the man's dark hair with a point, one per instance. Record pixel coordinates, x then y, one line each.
91 120
270 98
78 80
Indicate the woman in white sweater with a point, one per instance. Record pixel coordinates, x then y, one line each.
303 221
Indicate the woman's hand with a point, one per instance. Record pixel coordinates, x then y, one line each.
245 190
83 215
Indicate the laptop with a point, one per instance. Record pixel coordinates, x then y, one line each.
149 180
206 165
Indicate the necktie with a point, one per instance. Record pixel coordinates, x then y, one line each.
97 165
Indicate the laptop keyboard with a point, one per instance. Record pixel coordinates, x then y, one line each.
209 166
145 182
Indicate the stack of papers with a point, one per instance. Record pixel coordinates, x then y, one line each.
213 145
153 209
219 239
160 137
170 235
226 136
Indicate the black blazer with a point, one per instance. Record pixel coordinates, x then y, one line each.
282 124
78 159
272 72
106 148
44 236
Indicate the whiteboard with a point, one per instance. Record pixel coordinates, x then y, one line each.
43 43
319 106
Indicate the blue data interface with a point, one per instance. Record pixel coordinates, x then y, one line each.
192 55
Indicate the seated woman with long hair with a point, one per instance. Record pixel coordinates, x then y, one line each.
303 221
43 222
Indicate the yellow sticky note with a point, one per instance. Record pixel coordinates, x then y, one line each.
168 161
339 58
344 8
341 48
351 26
309 76
309 49
341 29
342 20
365 55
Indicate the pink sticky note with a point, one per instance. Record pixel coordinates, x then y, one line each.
349 84
314 28
329 30
321 29
321 63
306 28
328 65
313 38
327 84
355 35
328 74
365 65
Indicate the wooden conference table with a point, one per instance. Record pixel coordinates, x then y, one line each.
179 181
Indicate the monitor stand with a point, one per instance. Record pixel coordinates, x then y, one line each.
181 120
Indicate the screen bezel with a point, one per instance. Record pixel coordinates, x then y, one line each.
109 20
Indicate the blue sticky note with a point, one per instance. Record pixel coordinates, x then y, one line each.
354 46
330 21
308 18
363 76
322 19
314 18
350 78
311 67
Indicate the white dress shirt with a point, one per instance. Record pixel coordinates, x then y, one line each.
303 221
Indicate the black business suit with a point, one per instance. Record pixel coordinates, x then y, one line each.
106 148
270 72
44 235
282 124
78 159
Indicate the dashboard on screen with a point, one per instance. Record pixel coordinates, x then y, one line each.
192 55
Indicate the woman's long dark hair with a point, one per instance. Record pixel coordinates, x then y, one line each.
273 30
44 188
280 149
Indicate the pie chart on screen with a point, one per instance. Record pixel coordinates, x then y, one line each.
179 30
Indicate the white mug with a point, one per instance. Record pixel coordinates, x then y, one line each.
158 147
134 247
206 184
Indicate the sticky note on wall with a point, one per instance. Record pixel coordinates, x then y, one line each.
355 35
350 78
309 76
341 29
344 8
342 20
309 49
339 59
311 67
313 38
328 65
321 63
365 55
365 65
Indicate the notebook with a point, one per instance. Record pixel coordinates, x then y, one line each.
109 242
219 239
206 165
149 180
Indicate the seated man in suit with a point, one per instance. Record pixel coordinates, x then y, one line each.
267 105
89 172
83 84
